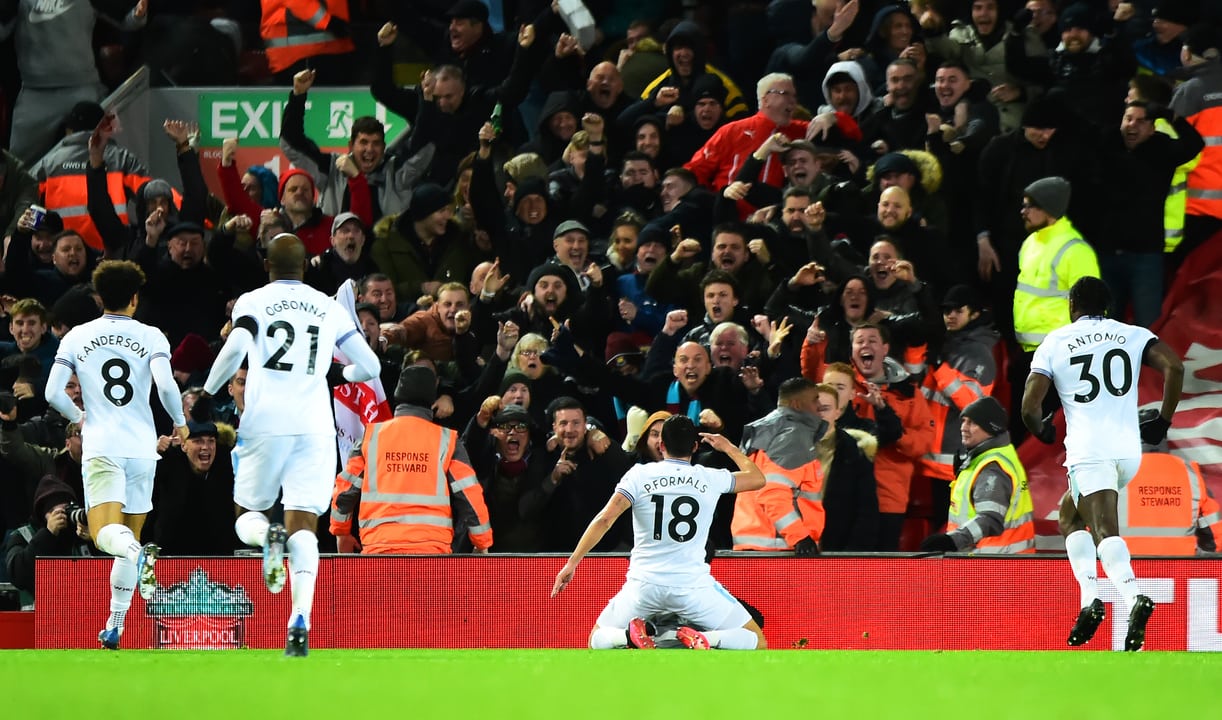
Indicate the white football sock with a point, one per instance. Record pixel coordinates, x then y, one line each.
118 540
303 569
122 584
251 528
733 639
1080 547
606 638
1114 554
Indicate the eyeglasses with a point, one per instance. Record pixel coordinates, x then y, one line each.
782 93
529 353
515 427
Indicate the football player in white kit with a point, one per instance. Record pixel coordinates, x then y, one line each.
288 332
1094 364
672 504
117 360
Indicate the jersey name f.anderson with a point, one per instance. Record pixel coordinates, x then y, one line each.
672 511
295 331
1095 363
112 358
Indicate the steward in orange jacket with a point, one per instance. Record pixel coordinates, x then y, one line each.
294 30
1167 510
885 388
412 479
787 513
964 373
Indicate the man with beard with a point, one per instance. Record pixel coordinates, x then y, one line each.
803 164
498 441
894 218
638 310
193 493
422 248
1052 258
669 283
435 331
686 204
897 119
964 371
390 179
795 237
348 258
579 483
885 388
637 189
183 294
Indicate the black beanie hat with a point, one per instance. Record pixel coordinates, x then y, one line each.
417 386
988 414
426 200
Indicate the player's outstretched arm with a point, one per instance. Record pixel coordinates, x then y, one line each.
229 359
167 389
598 527
365 364
1162 358
749 477
57 396
1033 407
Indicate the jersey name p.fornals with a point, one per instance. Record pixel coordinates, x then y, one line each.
295 330
112 357
672 511
1095 363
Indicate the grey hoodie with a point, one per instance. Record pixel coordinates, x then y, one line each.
865 97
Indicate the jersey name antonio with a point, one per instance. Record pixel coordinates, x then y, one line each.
1094 364
672 511
111 357
295 330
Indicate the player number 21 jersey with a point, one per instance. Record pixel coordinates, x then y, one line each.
295 330
1094 364
672 511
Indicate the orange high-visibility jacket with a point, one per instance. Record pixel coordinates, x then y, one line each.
949 389
1160 508
413 478
790 505
293 30
61 179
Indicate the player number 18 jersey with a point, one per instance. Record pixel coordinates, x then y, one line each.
672 511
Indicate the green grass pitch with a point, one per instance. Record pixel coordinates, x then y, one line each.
608 684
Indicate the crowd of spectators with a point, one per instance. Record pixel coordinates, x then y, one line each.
605 214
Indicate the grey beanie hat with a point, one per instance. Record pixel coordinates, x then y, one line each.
157 188
1050 194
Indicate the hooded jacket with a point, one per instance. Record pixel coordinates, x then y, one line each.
853 70
789 507
688 34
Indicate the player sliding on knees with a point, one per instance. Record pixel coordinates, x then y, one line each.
672 504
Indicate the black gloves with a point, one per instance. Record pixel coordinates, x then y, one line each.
1022 18
1154 430
335 375
938 543
1048 434
806 548
204 409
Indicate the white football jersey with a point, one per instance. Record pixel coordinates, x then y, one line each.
1094 364
112 358
296 330
672 510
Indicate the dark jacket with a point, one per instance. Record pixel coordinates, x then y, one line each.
516 523
193 514
568 507
850 495
399 253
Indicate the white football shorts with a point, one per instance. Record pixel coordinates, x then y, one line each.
710 607
1095 475
127 481
303 466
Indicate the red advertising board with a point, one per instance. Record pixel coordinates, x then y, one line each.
502 602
